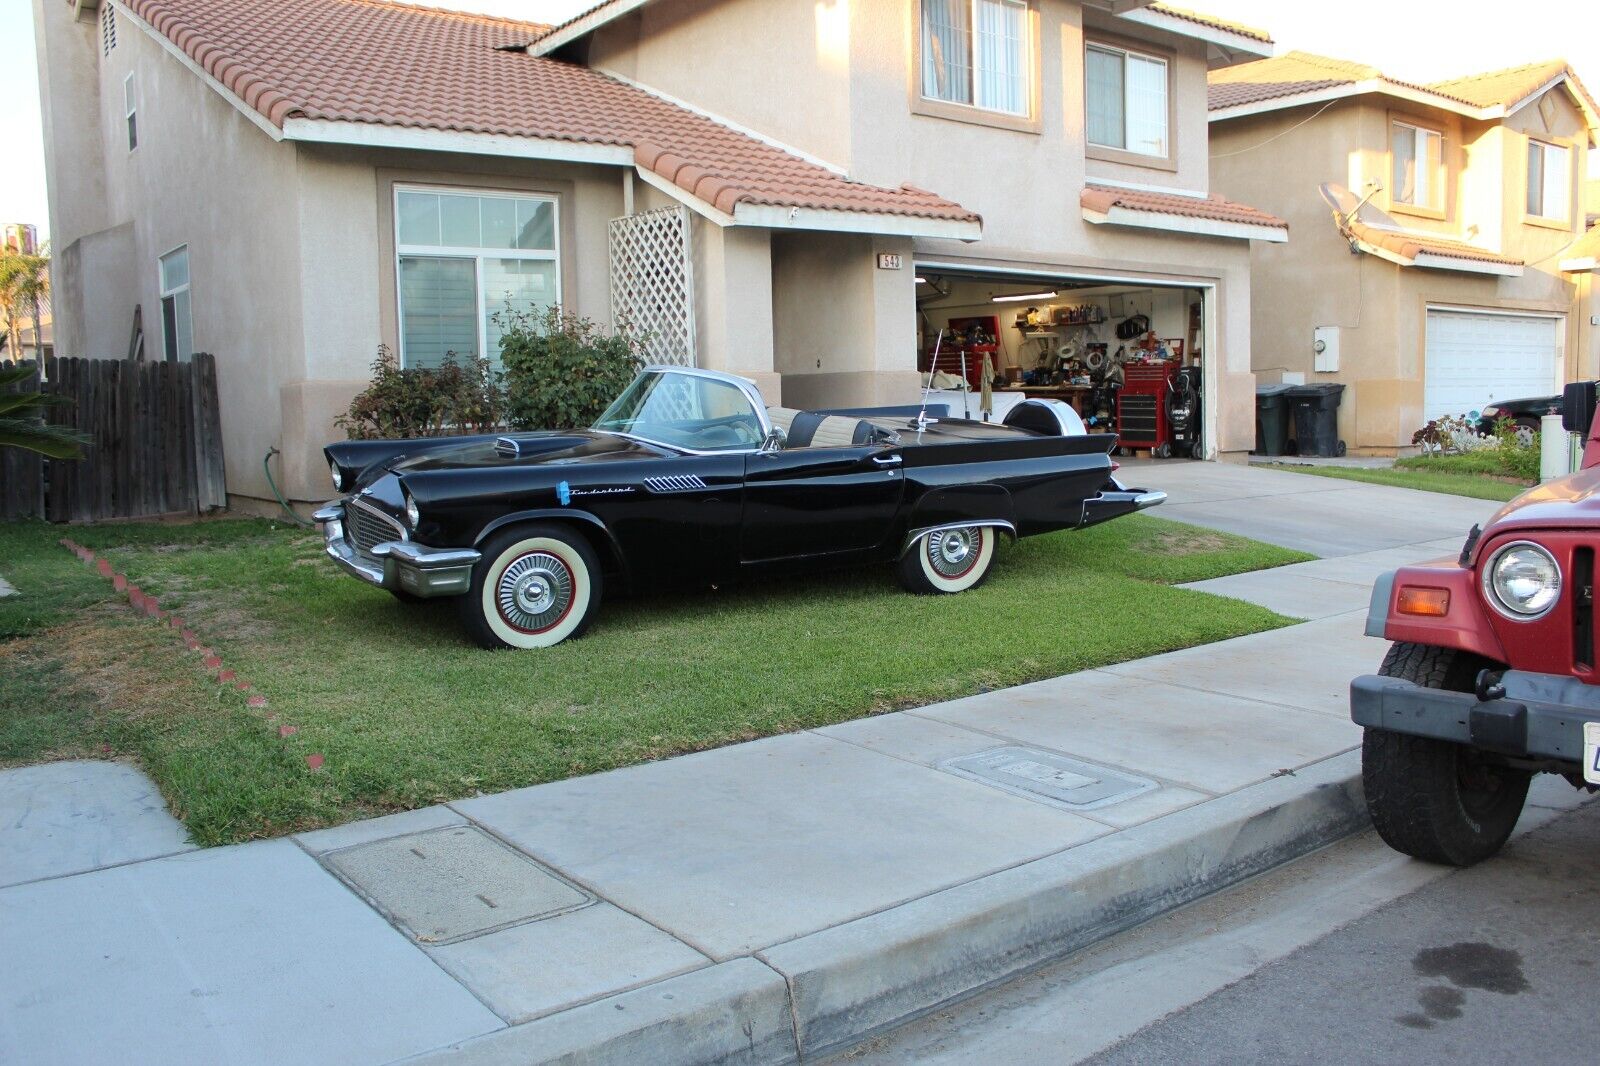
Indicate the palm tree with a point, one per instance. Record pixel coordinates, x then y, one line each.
22 423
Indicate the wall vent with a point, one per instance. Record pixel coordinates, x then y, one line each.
108 27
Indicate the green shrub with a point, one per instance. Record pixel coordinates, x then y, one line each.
1519 460
1501 456
563 371
461 396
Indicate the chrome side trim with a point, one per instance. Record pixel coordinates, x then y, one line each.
675 483
993 523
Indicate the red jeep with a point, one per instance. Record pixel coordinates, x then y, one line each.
1493 674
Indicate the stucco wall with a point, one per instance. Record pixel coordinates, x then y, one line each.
1276 161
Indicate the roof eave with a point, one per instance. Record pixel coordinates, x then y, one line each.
1182 27
1359 88
1434 261
1175 223
1585 265
773 216
584 24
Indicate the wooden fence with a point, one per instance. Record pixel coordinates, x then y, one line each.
157 443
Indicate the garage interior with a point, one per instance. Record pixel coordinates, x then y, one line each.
1127 357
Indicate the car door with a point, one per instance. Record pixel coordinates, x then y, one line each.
819 501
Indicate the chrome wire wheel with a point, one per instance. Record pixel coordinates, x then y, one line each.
954 552
534 592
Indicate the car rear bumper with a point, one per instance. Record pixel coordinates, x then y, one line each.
1114 503
398 565
1541 716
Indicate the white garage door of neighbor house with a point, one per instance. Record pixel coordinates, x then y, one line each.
1475 358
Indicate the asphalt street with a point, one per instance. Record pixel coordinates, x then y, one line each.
1499 963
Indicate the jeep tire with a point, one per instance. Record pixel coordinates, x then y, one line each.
1432 799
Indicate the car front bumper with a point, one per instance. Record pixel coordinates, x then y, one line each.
398 565
1541 716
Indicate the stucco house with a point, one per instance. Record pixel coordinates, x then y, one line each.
801 192
1435 265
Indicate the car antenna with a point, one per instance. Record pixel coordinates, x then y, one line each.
923 421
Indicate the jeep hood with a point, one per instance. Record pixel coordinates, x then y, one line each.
1561 504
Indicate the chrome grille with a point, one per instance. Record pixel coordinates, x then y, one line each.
674 483
367 527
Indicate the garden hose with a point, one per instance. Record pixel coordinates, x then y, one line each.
266 468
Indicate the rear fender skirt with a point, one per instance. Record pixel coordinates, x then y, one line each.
1464 625
610 549
918 533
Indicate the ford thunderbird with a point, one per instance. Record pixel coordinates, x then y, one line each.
690 479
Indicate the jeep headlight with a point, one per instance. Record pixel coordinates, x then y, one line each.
413 516
337 475
1523 580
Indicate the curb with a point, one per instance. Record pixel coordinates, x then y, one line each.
830 990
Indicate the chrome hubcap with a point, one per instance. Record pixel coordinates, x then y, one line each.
952 552
535 591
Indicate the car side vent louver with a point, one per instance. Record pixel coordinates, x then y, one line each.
674 483
507 448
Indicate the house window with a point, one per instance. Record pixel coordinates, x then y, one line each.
465 259
177 325
1125 96
130 109
1418 166
1549 180
978 53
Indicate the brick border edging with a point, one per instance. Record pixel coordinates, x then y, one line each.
211 663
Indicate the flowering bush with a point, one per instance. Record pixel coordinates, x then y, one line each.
462 396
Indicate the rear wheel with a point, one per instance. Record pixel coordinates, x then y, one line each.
948 560
535 586
1431 799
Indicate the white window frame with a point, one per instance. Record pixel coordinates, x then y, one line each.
478 255
1419 153
168 342
130 111
1029 49
1546 150
1166 98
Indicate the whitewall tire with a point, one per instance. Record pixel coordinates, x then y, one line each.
534 587
948 560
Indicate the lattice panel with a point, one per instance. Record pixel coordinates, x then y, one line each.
652 282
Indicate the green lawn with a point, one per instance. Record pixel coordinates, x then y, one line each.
408 713
1427 476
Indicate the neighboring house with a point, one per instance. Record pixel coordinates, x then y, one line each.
759 183
1433 273
45 335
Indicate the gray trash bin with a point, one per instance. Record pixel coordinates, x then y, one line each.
1272 419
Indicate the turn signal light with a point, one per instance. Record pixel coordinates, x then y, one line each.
1433 603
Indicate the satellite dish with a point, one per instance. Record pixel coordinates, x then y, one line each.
1348 204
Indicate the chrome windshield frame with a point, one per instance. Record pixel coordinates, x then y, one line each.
744 385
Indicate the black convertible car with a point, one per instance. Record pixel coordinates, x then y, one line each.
689 479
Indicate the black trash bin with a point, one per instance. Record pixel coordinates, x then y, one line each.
1272 419
1316 418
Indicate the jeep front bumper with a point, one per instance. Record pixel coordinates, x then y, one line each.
398 565
1541 716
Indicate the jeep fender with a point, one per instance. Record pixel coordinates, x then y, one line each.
1464 625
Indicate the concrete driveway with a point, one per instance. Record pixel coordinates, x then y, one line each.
1321 515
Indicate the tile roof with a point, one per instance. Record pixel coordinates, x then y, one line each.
1410 245
1103 198
1215 23
1509 86
1292 74
392 64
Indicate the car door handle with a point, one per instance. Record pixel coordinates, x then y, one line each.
886 460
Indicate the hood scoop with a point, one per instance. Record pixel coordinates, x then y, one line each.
508 448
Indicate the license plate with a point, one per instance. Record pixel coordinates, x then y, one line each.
1591 752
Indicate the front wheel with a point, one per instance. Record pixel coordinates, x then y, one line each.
948 560
535 586
1432 799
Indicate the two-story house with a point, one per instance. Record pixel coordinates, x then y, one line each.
1434 267
806 193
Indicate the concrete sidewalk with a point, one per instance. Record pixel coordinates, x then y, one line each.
756 903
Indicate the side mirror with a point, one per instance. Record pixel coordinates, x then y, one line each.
774 441
1577 407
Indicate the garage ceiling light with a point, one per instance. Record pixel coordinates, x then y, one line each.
1017 297
921 280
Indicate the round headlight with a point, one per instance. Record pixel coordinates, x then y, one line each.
1523 580
337 474
413 515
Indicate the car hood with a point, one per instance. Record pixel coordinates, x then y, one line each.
1570 501
546 448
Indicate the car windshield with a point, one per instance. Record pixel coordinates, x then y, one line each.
685 411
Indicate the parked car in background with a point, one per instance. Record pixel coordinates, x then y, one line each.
1494 674
1525 413
690 479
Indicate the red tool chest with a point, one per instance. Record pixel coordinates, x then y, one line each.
1142 406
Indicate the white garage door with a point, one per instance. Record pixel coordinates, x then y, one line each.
1475 358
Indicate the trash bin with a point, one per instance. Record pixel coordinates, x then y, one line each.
1272 419
1316 418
